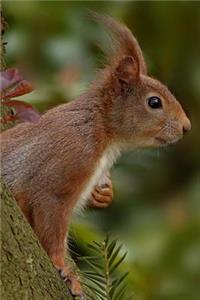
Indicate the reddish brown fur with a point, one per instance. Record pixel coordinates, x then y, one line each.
53 161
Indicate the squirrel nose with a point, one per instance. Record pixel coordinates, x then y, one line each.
186 125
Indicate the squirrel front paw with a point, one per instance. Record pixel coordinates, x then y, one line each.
72 281
102 195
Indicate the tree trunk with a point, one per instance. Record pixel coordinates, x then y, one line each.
27 272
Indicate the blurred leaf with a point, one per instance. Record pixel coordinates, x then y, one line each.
13 84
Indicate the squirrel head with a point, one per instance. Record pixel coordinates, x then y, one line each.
139 108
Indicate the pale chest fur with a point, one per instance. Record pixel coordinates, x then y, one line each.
98 177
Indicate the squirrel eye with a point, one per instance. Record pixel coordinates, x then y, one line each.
154 102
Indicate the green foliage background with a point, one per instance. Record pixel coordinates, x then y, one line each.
156 209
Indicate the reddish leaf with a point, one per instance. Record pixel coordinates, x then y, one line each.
24 112
13 84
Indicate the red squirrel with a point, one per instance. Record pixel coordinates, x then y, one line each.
52 166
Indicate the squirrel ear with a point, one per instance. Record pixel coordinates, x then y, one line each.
127 70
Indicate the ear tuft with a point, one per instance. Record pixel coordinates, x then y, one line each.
123 43
127 70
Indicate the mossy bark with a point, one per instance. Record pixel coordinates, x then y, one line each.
26 271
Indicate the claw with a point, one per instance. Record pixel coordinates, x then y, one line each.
80 296
83 297
72 281
65 279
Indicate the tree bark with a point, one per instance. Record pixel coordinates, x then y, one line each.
26 270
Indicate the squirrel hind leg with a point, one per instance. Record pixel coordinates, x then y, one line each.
72 279
50 225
